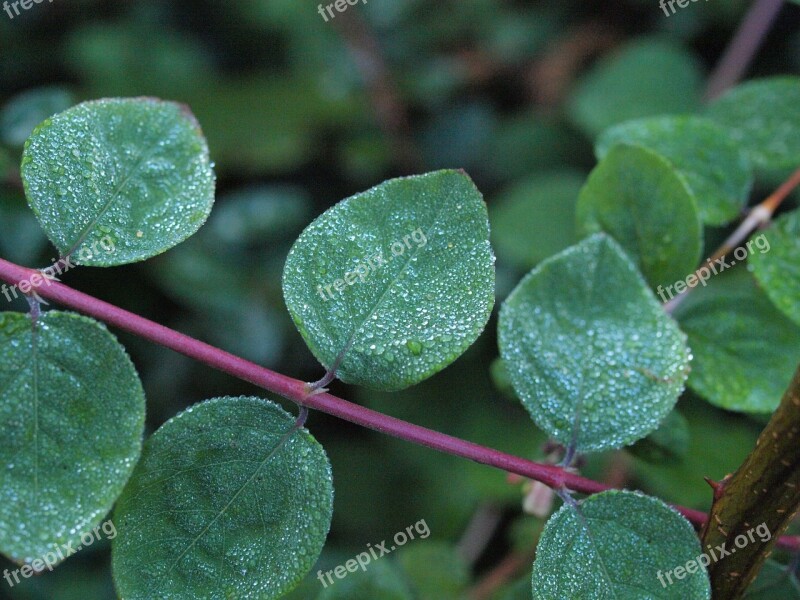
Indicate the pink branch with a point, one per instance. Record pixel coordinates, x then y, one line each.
295 390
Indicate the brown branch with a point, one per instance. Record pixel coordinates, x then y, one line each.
764 493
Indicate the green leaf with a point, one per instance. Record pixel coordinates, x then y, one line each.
72 414
521 590
447 581
118 181
614 545
719 442
774 581
234 109
458 134
5 164
535 218
645 78
638 198
501 378
108 55
26 110
21 238
763 117
715 169
379 580
779 272
229 500
590 351
667 444
745 351
397 281
530 138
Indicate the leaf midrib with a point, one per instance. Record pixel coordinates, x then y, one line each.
596 547
143 158
358 328
281 443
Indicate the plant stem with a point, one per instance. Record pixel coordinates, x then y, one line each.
743 47
295 390
759 216
763 492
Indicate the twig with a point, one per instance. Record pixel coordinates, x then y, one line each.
757 217
295 390
480 530
505 571
743 47
763 492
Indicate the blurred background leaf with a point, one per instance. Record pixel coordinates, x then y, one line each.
301 113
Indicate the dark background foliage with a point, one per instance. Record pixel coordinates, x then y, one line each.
300 113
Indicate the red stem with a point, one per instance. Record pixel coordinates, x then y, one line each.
295 390
743 47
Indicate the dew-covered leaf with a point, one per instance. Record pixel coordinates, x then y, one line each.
72 414
535 218
637 197
26 110
397 280
590 351
763 117
645 78
777 265
745 350
716 170
614 545
130 174
229 500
